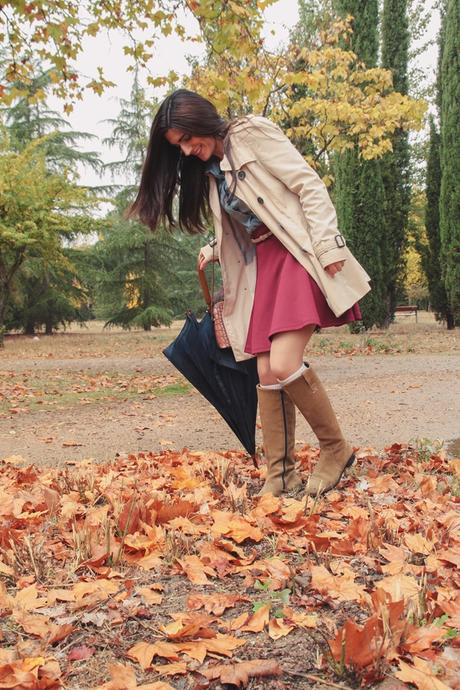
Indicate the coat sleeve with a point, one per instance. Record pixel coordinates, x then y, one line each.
278 156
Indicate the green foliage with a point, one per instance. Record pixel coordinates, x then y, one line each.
37 210
449 205
431 253
143 279
359 188
395 165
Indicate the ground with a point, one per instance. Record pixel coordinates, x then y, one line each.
135 552
89 394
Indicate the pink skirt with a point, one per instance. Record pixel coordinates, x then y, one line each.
286 298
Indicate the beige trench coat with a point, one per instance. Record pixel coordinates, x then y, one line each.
276 183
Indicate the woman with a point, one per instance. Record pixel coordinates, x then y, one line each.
285 266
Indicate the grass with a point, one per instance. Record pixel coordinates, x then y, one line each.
403 336
63 388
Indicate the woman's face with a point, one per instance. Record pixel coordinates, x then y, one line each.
200 146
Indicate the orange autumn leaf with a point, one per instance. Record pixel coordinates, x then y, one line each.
301 619
124 678
222 644
422 638
277 628
169 511
258 620
399 586
338 586
33 624
421 674
196 626
358 647
145 652
195 569
418 544
396 557
178 667
234 527
149 595
214 603
240 673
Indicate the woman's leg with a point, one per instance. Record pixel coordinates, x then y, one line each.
277 418
287 350
303 387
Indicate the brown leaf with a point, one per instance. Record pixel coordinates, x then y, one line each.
399 586
278 628
144 652
420 675
195 569
258 620
214 603
422 638
234 527
240 673
338 586
418 544
177 667
80 653
360 646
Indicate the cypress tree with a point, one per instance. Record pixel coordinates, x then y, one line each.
359 186
449 205
395 165
431 254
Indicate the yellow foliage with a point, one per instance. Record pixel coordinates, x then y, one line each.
344 104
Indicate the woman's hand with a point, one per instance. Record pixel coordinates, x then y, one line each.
334 268
206 255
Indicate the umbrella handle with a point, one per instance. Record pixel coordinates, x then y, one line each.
204 287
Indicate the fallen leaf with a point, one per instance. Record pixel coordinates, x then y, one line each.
277 628
240 673
214 603
418 544
399 586
80 653
258 620
420 675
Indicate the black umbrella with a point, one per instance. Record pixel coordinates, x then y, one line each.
228 385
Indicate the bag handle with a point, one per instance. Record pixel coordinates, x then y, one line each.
207 294
204 287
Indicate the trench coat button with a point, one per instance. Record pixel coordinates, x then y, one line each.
260 200
241 175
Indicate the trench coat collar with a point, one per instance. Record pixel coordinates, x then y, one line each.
237 152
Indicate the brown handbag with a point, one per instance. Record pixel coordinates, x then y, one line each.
216 309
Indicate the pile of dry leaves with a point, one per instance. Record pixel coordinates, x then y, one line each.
165 571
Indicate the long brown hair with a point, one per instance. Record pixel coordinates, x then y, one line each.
165 168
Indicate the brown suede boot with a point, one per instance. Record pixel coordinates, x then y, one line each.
308 394
277 417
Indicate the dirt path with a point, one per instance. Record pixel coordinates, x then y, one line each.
380 399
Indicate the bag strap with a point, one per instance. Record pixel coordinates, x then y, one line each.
207 294
205 288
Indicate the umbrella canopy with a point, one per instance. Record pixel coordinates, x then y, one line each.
228 385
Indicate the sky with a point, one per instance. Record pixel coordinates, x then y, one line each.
171 53
106 50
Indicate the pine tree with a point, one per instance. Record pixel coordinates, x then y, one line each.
45 292
359 190
449 205
431 255
395 165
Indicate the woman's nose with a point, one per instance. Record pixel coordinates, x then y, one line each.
186 149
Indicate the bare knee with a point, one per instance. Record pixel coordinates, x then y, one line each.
282 367
266 376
